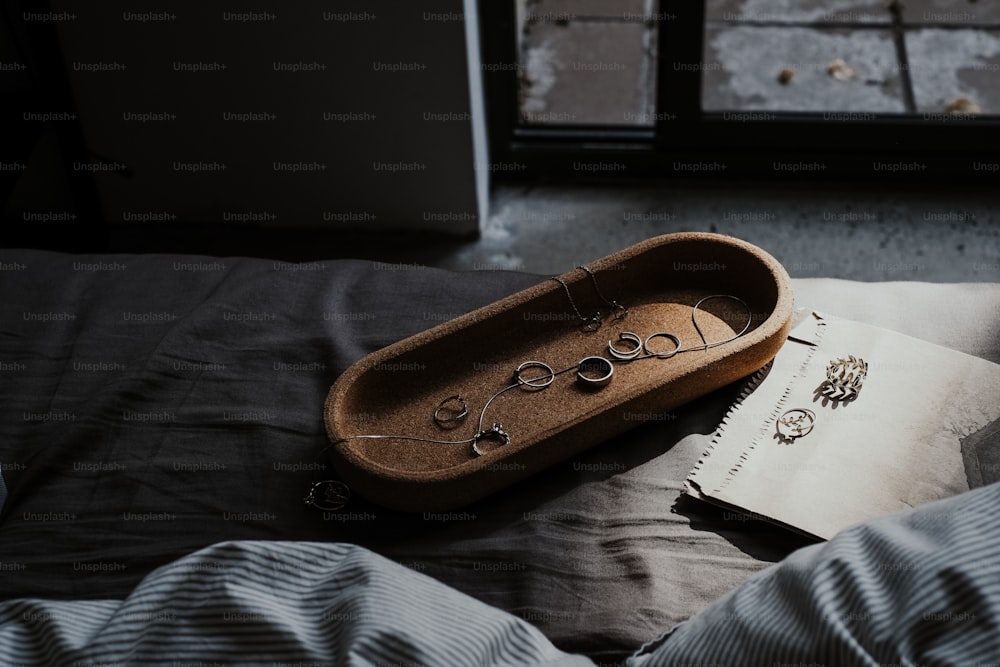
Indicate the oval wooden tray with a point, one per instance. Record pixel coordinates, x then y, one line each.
396 390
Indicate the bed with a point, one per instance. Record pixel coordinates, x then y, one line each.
164 414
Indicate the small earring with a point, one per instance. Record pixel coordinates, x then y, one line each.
451 412
626 355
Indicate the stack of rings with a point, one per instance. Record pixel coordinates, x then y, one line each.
591 373
639 346
595 372
626 355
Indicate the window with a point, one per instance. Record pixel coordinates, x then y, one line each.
857 90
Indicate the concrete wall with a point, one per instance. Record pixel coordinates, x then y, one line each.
353 115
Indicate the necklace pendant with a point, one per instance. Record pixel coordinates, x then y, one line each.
592 324
329 495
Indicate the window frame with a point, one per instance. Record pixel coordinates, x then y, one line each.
687 142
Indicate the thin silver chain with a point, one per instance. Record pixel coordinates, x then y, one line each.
592 323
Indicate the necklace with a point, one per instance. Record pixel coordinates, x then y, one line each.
593 372
594 322
589 324
618 311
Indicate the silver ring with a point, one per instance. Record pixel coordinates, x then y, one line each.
496 432
539 382
458 413
795 423
662 355
844 378
594 372
626 354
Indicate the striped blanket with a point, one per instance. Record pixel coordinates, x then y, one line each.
916 588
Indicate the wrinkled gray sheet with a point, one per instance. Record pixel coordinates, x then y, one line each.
151 411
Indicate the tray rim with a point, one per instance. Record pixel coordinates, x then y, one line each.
775 325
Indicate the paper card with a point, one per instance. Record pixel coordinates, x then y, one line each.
794 450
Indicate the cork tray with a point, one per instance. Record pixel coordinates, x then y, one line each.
396 390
